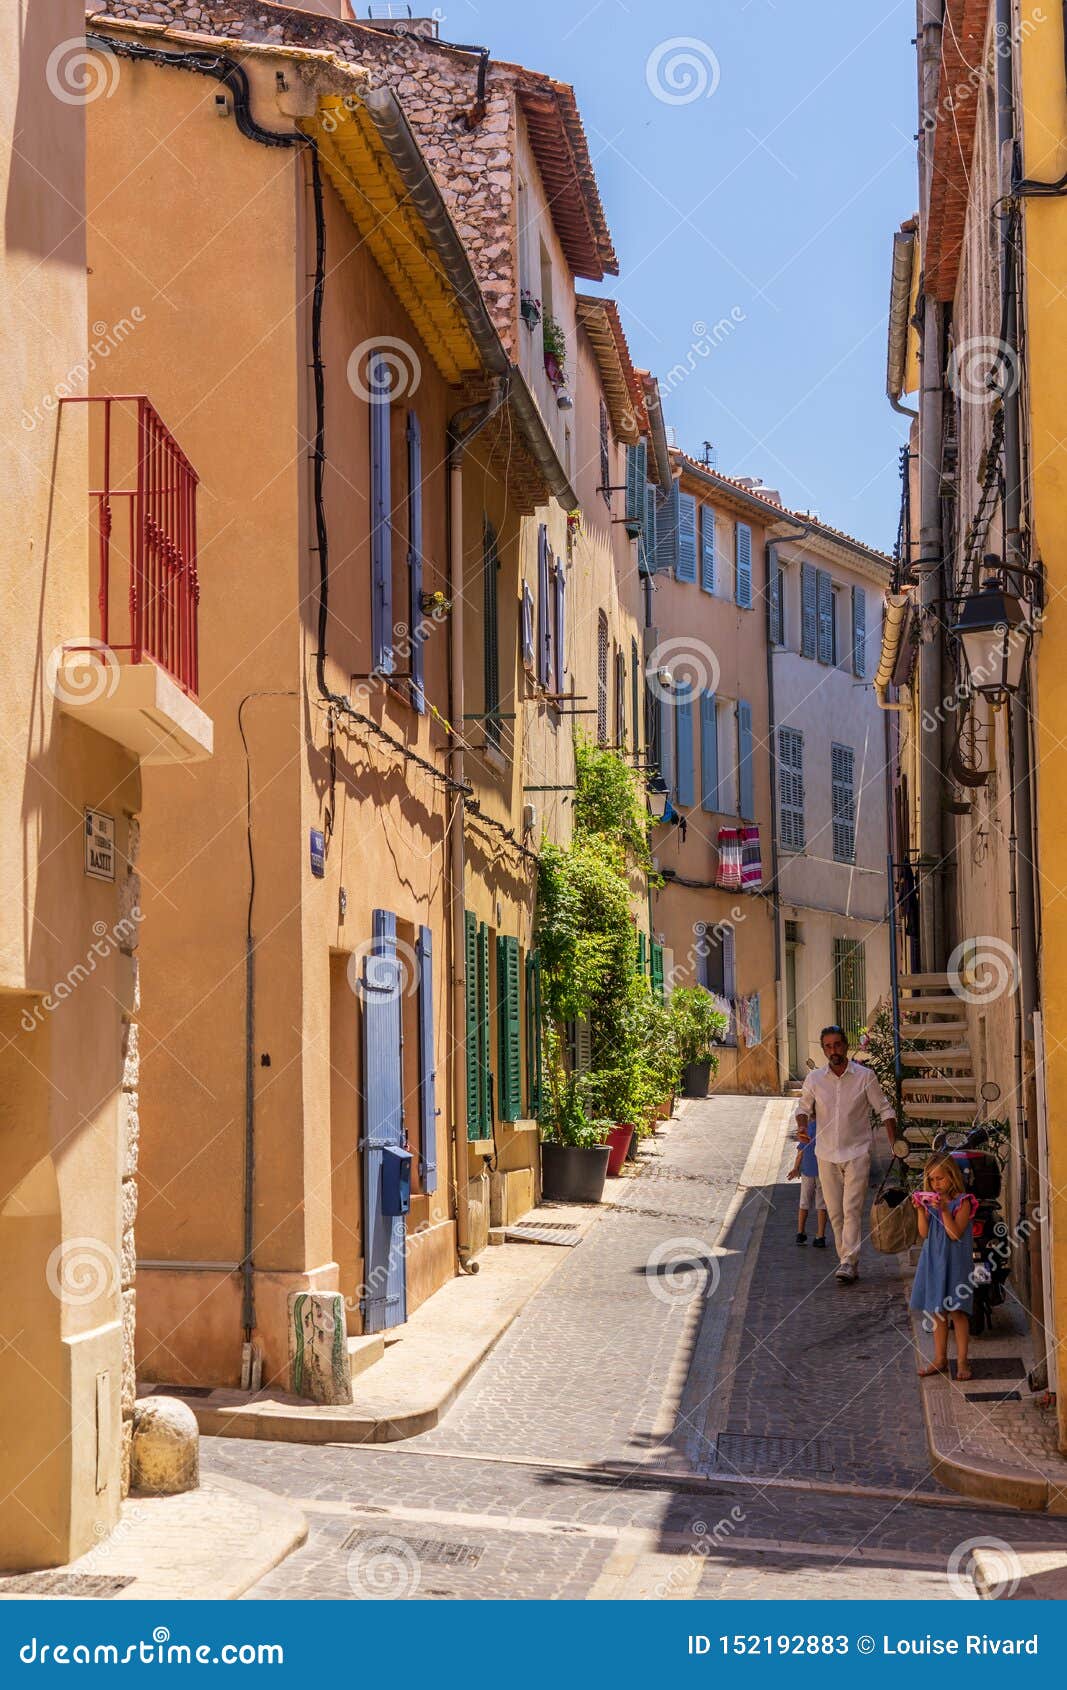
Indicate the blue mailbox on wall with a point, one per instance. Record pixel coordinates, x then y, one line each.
396 1180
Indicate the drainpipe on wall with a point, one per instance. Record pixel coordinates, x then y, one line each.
929 564
781 1016
462 428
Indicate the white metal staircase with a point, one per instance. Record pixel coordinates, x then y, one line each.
939 1086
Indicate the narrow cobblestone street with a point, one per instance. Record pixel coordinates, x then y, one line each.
631 1437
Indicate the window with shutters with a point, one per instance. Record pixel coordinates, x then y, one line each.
746 793
809 619
743 565
707 548
711 972
476 1004
859 632
605 455
620 699
491 634
776 608
559 629
683 740
534 1049
635 696
850 987
636 478
791 788
842 764
509 1039
544 608
836 641
528 628
667 530
824 598
709 753
656 970
646 550
427 1082
685 563
602 679
379 383
414 559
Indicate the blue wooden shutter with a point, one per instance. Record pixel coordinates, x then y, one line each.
667 530
529 642
534 1060
509 1040
665 747
745 785
843 802
427 1064
683 722
707 548
635 486
774 604
560 630
385 1297
743 577
686 563
709 753
646 554
791 788
414 439
381 516
824 588
859 632
544 610
808 611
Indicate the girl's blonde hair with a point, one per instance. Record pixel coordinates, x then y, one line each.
947 1165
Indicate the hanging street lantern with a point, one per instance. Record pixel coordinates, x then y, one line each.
994 631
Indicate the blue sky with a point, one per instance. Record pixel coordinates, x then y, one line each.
770 203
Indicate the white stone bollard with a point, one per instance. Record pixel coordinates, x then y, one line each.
319 1365
165 1458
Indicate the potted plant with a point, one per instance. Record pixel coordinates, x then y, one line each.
574 1156
530 309
555 350
697 1025
608 1094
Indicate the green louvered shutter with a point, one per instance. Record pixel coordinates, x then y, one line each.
473 1054
508 1038
534 1058
657 970
809 622
485 1063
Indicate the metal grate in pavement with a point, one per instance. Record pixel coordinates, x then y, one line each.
995 1367
740 1452
993 1396
64 1584
543 1232
433 1550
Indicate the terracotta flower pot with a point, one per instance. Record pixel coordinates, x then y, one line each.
619 1143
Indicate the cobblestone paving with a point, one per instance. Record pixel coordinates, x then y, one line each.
829 1365
532 1486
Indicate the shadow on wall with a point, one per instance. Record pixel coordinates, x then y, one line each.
56 78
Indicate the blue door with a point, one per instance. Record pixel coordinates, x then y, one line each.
384 1298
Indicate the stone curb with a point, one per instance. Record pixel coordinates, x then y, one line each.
971 1475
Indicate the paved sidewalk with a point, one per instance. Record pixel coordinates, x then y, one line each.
209 1544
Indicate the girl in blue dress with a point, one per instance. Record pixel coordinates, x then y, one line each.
944 1283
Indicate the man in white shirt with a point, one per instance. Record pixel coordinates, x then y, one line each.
843 1093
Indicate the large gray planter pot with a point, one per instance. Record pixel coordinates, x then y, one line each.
696 1079
571 1175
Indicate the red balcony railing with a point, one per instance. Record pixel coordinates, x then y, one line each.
148 588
